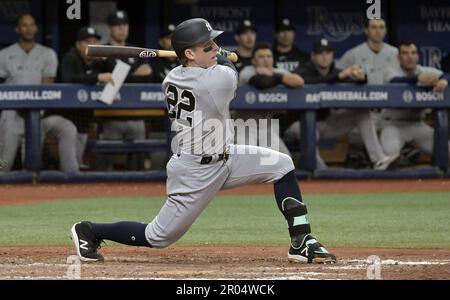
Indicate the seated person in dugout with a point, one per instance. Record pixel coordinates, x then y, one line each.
335 123
161 66
76 67
287 55
246 38
28 62
123 128
262 75
401 126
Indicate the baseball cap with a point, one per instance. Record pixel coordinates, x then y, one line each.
117 18
245 25
322 45
167 30
87 32
284 24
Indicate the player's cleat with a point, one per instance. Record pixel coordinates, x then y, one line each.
412 155
311 251
384 163
85 242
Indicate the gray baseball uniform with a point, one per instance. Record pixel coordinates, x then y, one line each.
401 126
374 66
198 105
19 67
206 161
340 123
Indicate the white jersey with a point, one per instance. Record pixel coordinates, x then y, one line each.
198 101
19 67
374 64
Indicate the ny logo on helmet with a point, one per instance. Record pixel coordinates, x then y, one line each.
208 26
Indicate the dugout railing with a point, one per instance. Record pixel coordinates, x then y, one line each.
307 100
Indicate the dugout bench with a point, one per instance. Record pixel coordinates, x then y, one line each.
129 147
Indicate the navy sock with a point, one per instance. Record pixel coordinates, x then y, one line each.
128 233
287 186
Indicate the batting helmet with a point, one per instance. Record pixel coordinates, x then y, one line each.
192 32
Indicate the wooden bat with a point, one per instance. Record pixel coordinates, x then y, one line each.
126 51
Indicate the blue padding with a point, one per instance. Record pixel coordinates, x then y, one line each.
116 146
300 174
448 173
16 177
428 172
60 177
150 96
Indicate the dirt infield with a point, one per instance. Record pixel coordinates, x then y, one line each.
28 193
217 262
207 262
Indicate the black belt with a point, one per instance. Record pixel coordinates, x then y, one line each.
206 160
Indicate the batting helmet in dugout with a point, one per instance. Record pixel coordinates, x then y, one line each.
192 32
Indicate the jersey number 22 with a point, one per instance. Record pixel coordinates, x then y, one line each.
176 104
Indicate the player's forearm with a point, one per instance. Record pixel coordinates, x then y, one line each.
292 80
427 79
263 81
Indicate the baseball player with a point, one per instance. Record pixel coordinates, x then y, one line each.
76 67
131 129
246 38
162 65
198 94
28 62
261 74
331 123
286 55
374 56
401 126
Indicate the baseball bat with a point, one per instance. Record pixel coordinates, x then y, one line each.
126 51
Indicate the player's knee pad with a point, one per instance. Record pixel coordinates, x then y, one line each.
295 213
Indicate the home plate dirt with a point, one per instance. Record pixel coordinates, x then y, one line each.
222 262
